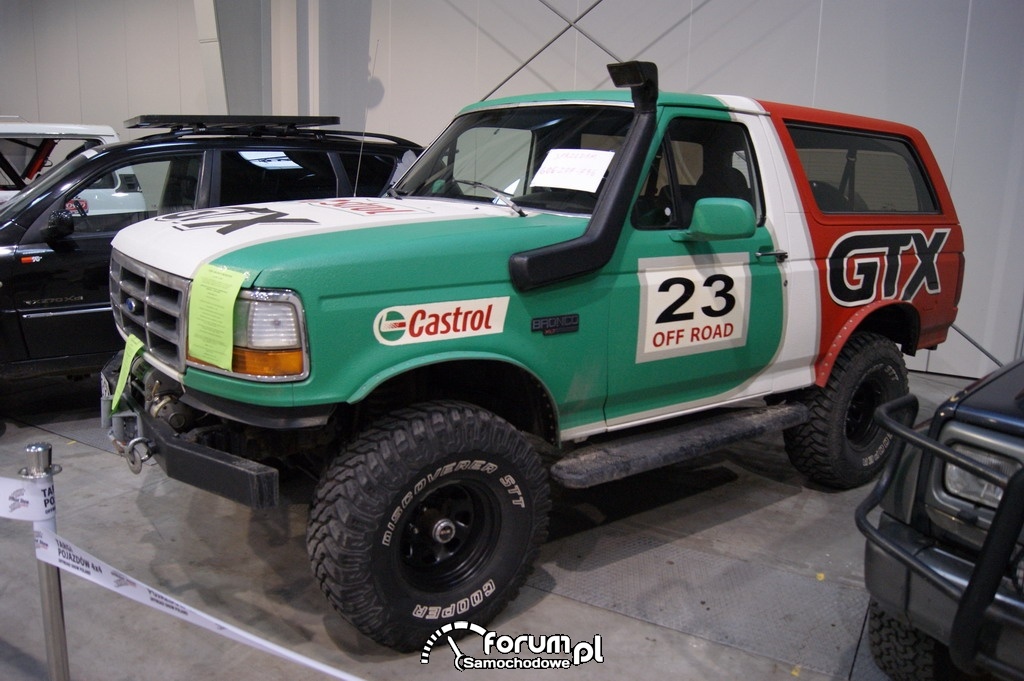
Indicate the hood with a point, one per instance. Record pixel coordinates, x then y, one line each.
996 401
180 243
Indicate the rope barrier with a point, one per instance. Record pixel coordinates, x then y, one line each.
32 498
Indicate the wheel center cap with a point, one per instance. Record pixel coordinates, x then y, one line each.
443 531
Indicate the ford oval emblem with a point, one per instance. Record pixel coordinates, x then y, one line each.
133 306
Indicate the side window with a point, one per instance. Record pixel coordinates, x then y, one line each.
698 159
275 175
860 172
119 197
367 174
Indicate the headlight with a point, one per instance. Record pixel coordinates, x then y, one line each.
263 324
269 335
269 340
962 484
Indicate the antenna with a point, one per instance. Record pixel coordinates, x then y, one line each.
366 121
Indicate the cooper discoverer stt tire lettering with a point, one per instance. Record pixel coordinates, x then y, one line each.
434 514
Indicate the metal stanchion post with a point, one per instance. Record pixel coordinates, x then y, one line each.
41 467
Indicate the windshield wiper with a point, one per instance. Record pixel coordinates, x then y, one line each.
504 197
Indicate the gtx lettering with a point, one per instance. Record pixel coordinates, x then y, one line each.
864 262
231 218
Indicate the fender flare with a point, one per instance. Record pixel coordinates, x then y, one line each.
855 322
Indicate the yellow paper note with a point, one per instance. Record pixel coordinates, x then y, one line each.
131 348
211 309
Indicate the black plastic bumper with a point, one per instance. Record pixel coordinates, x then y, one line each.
233 477
908 567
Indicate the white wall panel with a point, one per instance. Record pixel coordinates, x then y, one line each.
55 48
101 39
99 61
986 180
19 95
761 48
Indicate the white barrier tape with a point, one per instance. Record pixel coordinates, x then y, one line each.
27 499
61 553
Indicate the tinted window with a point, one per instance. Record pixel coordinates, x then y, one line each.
368 174
274 175
855 172
134 192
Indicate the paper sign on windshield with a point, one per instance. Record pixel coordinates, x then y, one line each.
581 169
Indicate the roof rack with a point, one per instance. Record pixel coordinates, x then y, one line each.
200 122
179 125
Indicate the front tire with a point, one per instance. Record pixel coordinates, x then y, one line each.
908 654
433 515
841 446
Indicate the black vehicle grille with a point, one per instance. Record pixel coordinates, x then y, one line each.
150 304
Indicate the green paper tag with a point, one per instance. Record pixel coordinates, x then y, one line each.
131 348
211 308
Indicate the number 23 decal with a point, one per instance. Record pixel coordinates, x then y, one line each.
675 312
692 305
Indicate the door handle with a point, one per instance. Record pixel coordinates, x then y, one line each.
778 255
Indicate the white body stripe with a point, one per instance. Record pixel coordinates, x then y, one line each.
179 243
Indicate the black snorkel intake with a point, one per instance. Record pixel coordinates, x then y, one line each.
593 249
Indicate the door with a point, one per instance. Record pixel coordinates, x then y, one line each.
693 321
61 285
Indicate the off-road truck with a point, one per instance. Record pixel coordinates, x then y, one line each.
570 286
945 555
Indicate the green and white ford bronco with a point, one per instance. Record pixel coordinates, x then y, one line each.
552 273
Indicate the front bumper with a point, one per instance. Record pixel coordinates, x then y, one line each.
969 606
133 428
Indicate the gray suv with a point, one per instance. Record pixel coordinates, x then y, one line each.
945 558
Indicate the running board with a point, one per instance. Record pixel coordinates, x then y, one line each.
635 453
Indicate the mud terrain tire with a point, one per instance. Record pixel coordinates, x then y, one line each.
841 446
435 514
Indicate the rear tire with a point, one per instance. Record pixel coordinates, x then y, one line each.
841 446
433 515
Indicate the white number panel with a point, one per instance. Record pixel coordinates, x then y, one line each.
694 304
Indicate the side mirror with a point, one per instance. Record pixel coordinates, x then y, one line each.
719 220
59 225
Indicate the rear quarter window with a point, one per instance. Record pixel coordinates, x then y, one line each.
861 172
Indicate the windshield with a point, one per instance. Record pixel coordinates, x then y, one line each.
549 157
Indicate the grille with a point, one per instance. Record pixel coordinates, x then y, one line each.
150 304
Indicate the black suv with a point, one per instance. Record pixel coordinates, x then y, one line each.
55 235
945 560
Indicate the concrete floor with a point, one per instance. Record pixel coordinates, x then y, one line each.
734 569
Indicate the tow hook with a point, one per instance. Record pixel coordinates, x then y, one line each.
137 452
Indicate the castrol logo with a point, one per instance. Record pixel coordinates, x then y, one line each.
406 324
